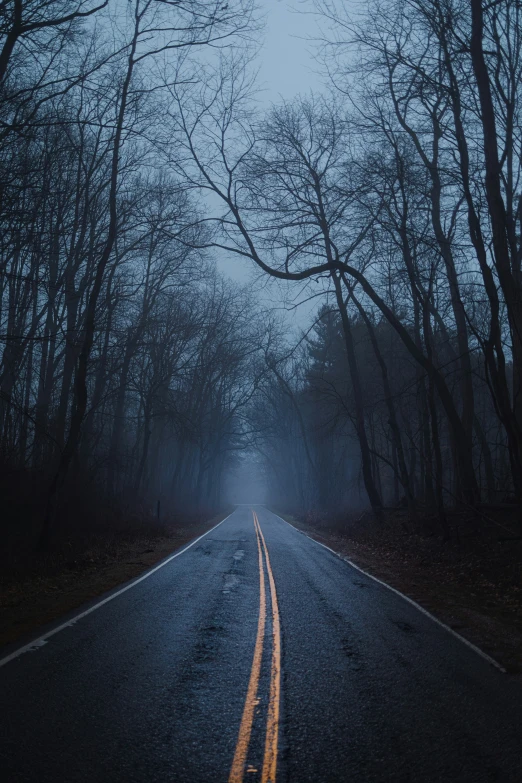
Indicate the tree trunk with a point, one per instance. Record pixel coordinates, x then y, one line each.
360 426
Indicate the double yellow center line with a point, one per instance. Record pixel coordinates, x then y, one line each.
268 774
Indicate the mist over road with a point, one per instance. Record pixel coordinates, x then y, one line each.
257 655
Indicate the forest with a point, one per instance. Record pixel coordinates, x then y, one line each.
136 153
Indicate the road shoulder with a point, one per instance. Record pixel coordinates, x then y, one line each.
32 603
492 625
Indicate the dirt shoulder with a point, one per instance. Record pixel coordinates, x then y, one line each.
56 585
474 587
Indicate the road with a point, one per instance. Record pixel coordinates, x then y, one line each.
257 655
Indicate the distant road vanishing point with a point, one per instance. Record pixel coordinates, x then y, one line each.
255 654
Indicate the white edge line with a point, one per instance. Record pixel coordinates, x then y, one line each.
465 641
41 640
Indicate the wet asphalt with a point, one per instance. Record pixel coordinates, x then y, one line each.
151 686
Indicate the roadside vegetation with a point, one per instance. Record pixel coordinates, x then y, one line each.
133 377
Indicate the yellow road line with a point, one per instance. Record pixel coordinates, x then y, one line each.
245 729
268 774
272 726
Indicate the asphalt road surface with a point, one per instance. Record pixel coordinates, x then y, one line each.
257 655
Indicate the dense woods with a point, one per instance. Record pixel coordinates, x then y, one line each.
125 360
398 196
134 151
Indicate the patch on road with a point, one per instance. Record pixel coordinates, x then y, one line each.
403 626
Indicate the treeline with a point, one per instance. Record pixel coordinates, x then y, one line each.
394 198
307 422
397 196
125 361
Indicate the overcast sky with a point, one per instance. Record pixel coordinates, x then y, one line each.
287 65
287 68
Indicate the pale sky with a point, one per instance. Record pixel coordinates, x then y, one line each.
286 59
287 68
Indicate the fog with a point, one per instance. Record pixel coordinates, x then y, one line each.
245 484
240 268
260 262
